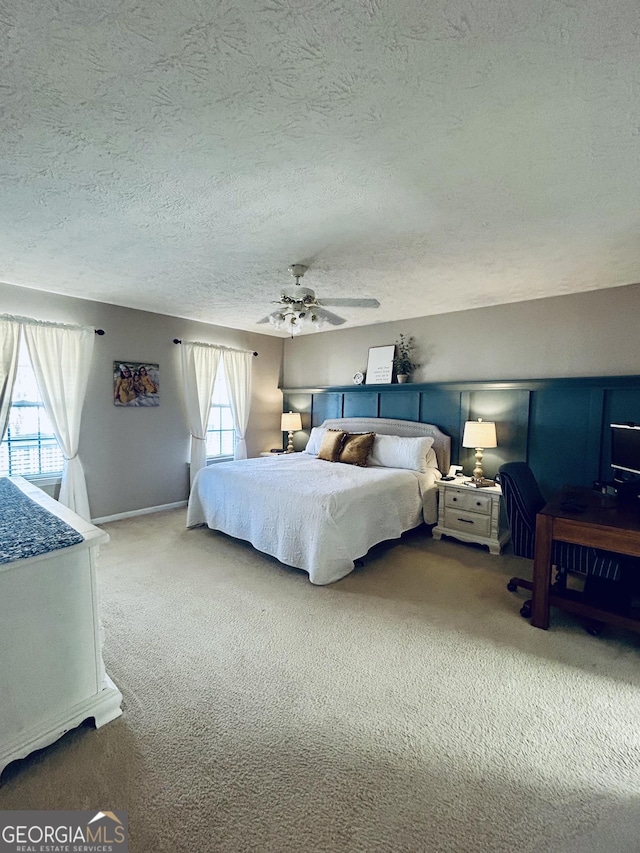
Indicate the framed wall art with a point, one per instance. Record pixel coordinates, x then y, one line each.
136 383
380 365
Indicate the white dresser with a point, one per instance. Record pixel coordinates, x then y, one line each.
471 515
52 676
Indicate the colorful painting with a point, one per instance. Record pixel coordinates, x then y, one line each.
136 383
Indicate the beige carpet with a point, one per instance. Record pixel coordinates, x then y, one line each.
406 708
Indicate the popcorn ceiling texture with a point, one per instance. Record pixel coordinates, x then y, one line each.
176 156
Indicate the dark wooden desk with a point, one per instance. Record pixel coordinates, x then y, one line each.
604 523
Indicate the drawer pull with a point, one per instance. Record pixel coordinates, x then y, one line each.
466 520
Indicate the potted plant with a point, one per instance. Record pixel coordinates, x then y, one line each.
402 360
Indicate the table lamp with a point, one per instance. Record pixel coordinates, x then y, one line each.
290 422
479 434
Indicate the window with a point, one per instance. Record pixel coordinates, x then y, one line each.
221 436
29 446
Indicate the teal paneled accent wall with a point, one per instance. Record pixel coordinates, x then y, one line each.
565 433
363 405
441 406
560 426
404 405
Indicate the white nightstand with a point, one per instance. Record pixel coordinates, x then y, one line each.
270 453
471 515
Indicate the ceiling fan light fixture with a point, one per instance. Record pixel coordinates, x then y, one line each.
276 319
300 309
298 304
296 318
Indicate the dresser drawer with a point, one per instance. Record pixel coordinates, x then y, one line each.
470 522
470 501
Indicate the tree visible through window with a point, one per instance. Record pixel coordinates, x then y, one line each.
221 436
29 446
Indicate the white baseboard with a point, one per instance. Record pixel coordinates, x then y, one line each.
145 511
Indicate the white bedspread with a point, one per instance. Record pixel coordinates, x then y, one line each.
314 515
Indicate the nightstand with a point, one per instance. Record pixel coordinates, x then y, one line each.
270 453
471 515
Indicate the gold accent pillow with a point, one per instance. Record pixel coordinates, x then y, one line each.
356 448
331 445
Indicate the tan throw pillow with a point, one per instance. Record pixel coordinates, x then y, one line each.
331 445
356 448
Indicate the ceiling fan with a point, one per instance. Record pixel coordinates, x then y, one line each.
299 308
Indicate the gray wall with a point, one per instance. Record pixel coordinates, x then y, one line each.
587 334
137 458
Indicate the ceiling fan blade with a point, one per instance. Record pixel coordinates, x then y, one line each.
264 320
328 316
351 303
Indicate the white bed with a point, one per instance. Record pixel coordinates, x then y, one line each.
315 515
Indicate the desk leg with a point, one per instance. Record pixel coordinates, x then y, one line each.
542 571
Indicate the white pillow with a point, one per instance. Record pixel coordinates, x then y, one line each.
432 459
394 451
315 440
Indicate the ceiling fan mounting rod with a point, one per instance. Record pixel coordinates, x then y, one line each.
297 271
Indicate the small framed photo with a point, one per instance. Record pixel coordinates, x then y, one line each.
136 384
380 365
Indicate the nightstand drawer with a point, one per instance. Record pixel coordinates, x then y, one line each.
470 501
471 522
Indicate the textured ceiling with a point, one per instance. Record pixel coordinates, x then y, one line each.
178 156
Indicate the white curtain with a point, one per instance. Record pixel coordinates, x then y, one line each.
237 368
61 359
199 368
9 342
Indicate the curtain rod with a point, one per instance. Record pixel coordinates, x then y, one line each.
31 321
220 346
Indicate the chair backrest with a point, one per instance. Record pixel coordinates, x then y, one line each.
523 500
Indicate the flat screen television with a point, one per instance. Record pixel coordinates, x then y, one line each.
625 448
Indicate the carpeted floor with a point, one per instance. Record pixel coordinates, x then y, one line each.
406 708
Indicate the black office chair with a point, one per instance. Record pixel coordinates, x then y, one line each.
523 500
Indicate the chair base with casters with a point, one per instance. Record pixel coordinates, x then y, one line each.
559 583
594 628
513 586
514 583
523 501
520 583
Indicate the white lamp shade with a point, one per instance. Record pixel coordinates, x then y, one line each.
479 434
291 421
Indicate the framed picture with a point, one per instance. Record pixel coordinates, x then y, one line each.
380 365
136 383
